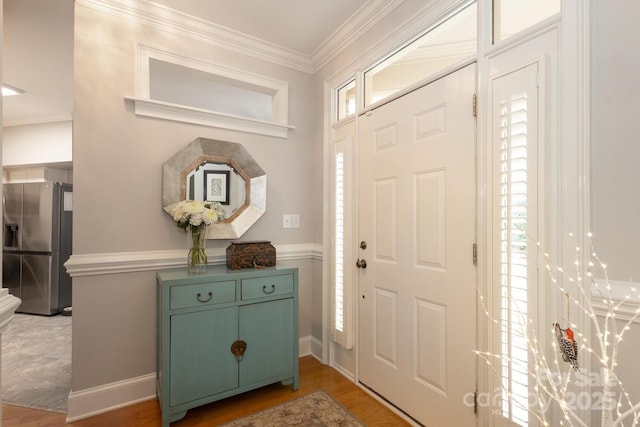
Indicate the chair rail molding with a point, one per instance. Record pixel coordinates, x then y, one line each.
128 262
623 296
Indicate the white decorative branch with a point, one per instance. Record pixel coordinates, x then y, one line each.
550 383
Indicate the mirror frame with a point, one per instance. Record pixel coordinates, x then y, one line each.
201 150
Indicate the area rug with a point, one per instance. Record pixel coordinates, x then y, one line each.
36 362
316 409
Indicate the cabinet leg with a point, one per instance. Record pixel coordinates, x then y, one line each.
175 417
293 381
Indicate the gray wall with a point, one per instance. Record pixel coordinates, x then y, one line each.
615 148
615 153
118 161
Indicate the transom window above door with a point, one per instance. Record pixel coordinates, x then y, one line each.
346 100
513 16
441 47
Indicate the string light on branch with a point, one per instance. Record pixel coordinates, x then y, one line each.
553 379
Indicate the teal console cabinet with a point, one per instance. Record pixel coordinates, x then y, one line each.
223 333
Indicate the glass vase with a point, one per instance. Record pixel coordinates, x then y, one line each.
197 257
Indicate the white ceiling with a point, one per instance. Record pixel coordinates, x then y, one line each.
38 42
37 56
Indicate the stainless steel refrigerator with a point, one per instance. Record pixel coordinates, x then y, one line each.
37 220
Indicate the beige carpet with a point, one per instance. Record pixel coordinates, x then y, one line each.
316 409
36 362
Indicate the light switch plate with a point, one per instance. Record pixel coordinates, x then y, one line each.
291 221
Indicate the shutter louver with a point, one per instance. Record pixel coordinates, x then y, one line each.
513 257
339 243
342 280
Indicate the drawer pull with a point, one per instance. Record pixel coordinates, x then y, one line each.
264 289
199 297
238 348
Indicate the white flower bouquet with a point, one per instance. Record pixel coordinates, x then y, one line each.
195 216
192 213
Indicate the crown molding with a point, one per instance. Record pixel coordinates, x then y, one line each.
166 19
38 120
351 30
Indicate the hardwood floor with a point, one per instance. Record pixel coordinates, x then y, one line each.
313 376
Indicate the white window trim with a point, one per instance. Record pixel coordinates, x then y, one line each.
145 106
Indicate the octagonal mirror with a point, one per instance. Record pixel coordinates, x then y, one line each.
218 171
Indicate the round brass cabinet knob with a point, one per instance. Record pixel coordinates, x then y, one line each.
238 348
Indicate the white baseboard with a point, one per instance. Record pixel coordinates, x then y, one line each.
304 346
97 400
310 346
316 348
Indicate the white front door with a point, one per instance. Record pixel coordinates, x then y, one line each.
417 299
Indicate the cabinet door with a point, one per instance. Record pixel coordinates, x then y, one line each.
268 330
201 359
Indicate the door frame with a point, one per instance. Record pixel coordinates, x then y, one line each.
573 155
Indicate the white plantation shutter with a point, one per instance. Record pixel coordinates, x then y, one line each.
515 146
513 259
343 283
339 242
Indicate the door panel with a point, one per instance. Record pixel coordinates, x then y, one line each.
12 216
417 314
38 217
201 360
39 291
267 328
11 272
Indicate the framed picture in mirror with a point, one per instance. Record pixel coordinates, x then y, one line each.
216 186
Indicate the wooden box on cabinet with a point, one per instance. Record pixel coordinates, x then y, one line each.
223 333
256 254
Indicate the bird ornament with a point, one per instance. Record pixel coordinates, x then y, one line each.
568 345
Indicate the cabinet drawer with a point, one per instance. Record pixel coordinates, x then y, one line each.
267 286
202 294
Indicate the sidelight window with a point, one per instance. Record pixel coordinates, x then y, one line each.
343 281
513 258
515 207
